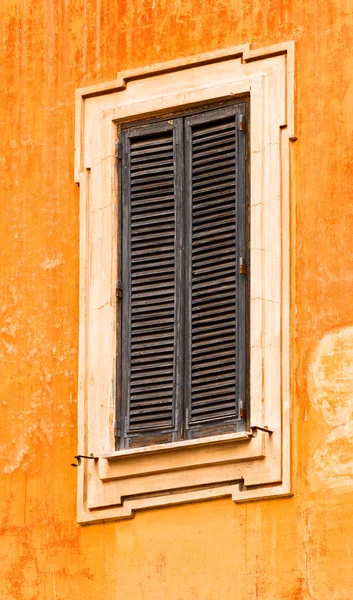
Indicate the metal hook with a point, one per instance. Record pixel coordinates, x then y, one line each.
79 459
265 429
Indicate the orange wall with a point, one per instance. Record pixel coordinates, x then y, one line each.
298 548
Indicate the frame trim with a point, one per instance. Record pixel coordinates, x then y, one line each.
247 466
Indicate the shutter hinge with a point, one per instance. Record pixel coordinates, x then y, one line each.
242 266
117 151
241 123
117 432
241 411
119 289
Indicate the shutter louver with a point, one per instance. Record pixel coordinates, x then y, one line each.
150 269
213 295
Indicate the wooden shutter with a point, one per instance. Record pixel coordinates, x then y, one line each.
184 305
216 291
152 307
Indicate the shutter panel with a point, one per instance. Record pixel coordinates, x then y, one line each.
151 306
216 239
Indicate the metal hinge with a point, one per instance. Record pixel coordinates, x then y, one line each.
119 289
117 151
117 432
241 122
242 266
242 411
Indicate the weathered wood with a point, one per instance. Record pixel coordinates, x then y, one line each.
180 252
215 302
149 265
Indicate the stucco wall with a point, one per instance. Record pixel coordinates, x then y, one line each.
298 548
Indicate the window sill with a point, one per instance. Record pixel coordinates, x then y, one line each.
179 456
175 446
227 465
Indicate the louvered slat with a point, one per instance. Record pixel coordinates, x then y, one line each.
213 294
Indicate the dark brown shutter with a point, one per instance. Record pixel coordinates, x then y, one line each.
151 315
216 291
184 300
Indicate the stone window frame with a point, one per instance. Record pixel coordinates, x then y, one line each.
245 466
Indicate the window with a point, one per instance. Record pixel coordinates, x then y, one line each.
183 265
204 446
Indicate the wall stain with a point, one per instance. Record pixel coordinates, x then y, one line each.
330 387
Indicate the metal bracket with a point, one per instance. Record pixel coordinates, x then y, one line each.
79 458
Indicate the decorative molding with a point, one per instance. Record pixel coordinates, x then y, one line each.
249 466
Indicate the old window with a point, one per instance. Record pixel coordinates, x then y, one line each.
184 285
214 419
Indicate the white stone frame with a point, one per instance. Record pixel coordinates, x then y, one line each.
244 466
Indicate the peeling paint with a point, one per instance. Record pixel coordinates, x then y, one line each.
16 457
51 263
